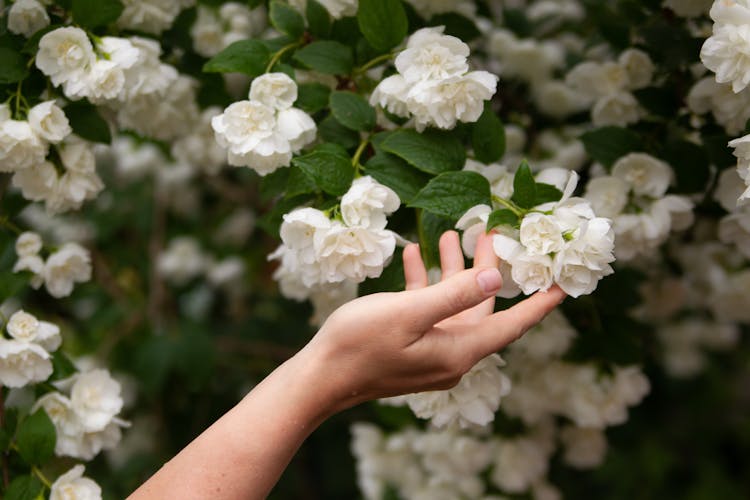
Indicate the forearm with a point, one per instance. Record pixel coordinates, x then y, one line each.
242 455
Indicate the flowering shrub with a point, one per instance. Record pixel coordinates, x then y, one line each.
188 188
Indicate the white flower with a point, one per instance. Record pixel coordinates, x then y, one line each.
585 448
226 272
726 54
529 272
391 94
367 203
473 401
151 16
24 327
22 363
33 264
597 80
729 109
519 463
453 99
182 261
742 152
541 234
340 8
608 195
647 175
275 90
473 223
65 55
73 486
431 55
207 33
106 81
353 253
28 243
49 122
60 411
638 66
70 264
735 229
549 339
620 109
297 127
298 232
26 17
38 182
20 147
95 399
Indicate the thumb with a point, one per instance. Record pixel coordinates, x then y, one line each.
452 296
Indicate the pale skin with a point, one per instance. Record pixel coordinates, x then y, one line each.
386 344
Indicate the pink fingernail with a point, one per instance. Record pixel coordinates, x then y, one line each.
489 280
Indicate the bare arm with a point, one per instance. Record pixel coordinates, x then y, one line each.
381 345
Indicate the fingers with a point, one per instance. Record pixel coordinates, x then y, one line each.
484 255
427 306
502 328
451 255
415 274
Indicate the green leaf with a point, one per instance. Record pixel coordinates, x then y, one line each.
332 131
352 110
62 366
330 166
546 193
94 13
431 227
451 194
390 280
312 97
502 217
395 173
299 183
318 19
433 151
286 19
608 144
11 283
274 184
245 56
488 137
332 58
24 488
86 121
36 438
13 68
382 22
524 187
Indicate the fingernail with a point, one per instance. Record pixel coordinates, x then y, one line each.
489 280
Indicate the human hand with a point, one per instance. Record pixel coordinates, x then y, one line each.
424 338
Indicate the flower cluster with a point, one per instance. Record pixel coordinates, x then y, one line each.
151 16
68 265
24 146
215 29
25 357
85 414
316 250
634 197
433 84
725 52
472 402
265 131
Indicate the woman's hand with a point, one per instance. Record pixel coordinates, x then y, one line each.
426 337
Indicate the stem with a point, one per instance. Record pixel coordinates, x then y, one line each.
509 205
38 473
7 224
281 52
373 62
358 154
